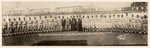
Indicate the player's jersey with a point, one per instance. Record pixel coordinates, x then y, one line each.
56 22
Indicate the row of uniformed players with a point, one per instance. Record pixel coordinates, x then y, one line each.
85 23
91 23
46 24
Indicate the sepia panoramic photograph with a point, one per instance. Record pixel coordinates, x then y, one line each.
74 23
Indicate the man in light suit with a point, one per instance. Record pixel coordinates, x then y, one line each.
59 24
68 24
56 24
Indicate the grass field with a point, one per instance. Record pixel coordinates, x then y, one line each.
77 38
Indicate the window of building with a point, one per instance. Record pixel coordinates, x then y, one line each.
139 8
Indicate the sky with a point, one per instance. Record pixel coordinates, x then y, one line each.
52 5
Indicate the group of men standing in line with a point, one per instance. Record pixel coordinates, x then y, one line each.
72 23
48 23
68 24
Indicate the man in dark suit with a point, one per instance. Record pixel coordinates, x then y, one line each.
63 20
79 24
4 26
71 23
74 23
